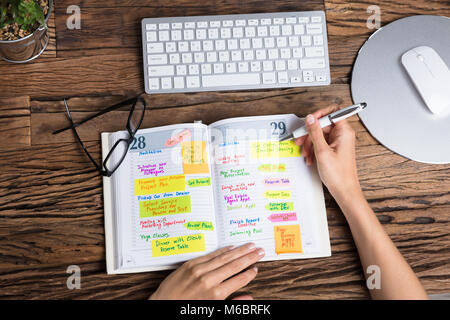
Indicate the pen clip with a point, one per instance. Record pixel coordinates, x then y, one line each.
346 112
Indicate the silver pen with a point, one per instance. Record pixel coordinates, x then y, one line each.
329 119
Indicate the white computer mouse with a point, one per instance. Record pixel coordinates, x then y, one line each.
431 77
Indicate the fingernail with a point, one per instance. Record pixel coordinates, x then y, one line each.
231 247
310 119
255 269
261 251
250 246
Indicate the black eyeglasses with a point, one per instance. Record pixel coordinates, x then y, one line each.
120 148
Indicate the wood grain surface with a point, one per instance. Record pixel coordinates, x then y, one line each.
51 205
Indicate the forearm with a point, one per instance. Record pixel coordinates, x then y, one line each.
398 281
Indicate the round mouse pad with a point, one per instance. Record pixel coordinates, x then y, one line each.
396 115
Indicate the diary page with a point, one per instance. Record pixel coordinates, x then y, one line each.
264 191
164 197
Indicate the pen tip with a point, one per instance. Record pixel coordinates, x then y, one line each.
363 104
289 137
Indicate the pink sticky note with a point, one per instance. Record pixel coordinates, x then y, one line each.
174 140
280 217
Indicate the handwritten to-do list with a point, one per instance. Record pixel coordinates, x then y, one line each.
172 203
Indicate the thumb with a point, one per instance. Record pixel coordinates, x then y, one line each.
316 134
243 297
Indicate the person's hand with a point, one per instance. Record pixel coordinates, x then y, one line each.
212 276
334 149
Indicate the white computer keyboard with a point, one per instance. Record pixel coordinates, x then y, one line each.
235 52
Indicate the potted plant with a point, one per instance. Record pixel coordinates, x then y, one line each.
23 29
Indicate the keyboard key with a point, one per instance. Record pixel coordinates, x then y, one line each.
238 32
303 19
193 69
151 36
220 45
286 30
150 26
236 55
306 41
166 83
211 56
314 52
285 53
283 77
267 65
183 46
154 71
214 24
296 79
257 43
155 59
225 33
240 79
281 42
227 23
318 63
195 46
273 53
291 20
230 67
318 40
163 26
178 82
255 66
317 19
250 32
188 34
262 32
269 42
206 68
280 65
299 29
200 34
155 47
244 43
153 83
171 47
240 22
218 68
224 56
189 25
232 44
243 66
297 52
248 55
163 36
274 31
177 25
266 22
278 20
213 33
208 45
199 57
315 28
181 70
192 82
174 58
253 22
293 41
202 24
186 57
308 73
321 78
308 79
292 64
176 35
269 78
260 54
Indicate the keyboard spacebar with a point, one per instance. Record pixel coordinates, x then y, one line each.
224 80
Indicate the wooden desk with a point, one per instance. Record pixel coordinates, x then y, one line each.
51 207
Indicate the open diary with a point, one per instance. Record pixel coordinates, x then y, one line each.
188 189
